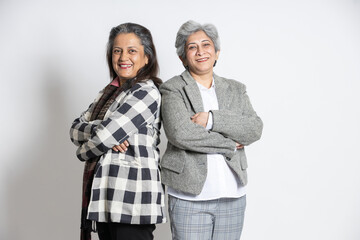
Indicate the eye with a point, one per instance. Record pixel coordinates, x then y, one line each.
116 51
132 51
192 47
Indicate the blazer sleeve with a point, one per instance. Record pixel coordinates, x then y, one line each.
138 109
81 129
183 133
241 124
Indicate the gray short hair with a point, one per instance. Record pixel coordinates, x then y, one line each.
191 27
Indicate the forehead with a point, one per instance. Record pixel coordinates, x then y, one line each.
127 40
198 37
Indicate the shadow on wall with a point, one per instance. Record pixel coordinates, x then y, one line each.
43 197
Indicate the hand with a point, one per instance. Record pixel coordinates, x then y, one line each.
239 146
200 118
122 147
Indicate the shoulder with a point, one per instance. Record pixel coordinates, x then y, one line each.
148 87
234 84
143 85
173 83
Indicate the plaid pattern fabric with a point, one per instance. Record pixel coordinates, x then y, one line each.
219 219
126 186
108 96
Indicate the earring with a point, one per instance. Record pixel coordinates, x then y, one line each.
215 63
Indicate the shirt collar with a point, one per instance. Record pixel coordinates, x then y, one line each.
115 82
201 87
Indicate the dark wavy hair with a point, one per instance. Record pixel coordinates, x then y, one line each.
150 70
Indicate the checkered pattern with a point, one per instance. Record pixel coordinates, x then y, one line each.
219 219
126 186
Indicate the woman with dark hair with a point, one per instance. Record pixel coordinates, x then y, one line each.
117 137
208 121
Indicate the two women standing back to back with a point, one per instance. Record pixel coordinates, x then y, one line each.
208 121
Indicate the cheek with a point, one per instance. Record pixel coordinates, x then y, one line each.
189 55
114 61
140 60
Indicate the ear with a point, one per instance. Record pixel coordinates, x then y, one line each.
146 60
217 55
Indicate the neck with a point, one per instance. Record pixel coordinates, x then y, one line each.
122 81
203 79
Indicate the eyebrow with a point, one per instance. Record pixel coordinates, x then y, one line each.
205 40
127 47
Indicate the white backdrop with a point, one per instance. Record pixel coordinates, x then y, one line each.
300 60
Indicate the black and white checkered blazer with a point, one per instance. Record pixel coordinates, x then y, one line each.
126 186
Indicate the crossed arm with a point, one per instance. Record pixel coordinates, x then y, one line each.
96 138
186 134
240 124
202 118
231 128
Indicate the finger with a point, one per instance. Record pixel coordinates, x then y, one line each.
119 148
123 146
126 143
195 115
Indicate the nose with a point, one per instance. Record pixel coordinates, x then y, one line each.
199 51
123 56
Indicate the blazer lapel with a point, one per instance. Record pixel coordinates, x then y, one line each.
223 92
193 92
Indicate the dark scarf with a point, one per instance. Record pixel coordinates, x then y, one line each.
108 97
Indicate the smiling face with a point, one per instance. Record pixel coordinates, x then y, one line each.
128 55
200 54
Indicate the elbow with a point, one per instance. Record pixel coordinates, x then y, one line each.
176 137
258 129
255 133
173 136
80 155
81 158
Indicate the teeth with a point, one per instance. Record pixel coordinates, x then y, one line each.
128 65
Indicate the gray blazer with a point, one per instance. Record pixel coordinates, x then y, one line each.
184 164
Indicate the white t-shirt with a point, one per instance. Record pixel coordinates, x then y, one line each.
221 181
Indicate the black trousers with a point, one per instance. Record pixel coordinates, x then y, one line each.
120 231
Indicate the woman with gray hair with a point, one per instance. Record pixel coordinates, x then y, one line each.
208 121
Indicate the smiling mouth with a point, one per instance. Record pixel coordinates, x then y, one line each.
202 59
125 66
